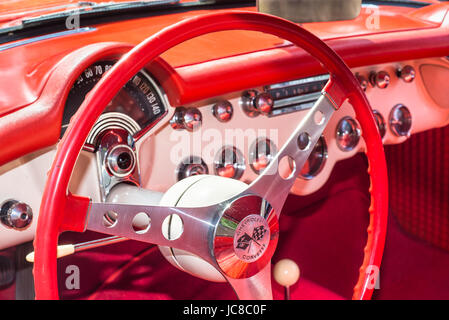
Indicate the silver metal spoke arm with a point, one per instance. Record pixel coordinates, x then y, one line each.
278 178
182 228
257 287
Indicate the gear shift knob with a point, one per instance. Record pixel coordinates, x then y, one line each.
286 273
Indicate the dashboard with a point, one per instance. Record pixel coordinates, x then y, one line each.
225 116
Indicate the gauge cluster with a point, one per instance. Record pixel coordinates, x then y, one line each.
135 108
240 133
237 135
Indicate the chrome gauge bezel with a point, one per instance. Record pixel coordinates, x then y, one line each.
253 150
392 121
239 164
325 155
357 129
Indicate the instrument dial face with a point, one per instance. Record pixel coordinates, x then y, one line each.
139 99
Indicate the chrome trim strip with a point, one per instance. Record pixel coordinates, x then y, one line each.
298 82
45 37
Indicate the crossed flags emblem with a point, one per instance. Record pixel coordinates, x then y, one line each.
244 241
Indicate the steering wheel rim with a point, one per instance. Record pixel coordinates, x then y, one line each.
55 200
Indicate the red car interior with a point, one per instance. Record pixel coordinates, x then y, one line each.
365 216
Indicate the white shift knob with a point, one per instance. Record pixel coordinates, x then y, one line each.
286 272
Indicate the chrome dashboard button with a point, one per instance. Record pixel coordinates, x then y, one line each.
223 111
362 81
407 73
192 119
15 214
255 103
264 103
177 120
121 160
191 166
380 79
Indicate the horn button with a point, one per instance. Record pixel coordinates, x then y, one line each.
245 234
246 237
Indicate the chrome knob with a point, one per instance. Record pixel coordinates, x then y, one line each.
191 166
380 79
255 103
121 160
264 103
177 121
16 214
189 119
223 111
362 81
407 73
192 119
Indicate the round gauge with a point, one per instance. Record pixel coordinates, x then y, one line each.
139 100
400 120
261 153
316 160
348 134
229 163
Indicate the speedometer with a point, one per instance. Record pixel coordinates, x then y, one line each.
137 106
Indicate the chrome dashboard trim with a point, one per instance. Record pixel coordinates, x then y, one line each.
45 37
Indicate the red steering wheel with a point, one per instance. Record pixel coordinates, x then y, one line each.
61 211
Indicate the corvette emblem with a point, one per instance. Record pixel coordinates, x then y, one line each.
251 238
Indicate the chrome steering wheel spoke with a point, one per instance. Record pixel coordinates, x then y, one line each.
257 287
193 233
278 178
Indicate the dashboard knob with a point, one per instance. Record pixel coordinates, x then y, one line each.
380 79
407 73
264 103
192 119
177 121
191 166
255 103
121 160
223 111
16 214
362 81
